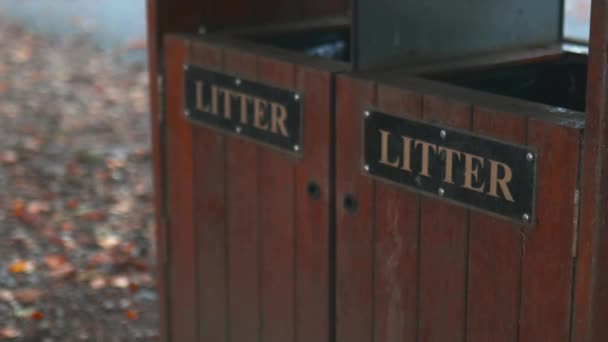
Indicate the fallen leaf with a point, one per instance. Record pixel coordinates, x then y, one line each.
37 207
55 262
98 283
22 266
67 226
27 296
131 314
133 287
9 333
9 157
18 208
93 216
72 204
120 282
67 270
37 315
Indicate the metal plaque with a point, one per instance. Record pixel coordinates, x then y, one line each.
477 172
264 113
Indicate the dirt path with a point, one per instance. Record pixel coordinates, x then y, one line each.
76 227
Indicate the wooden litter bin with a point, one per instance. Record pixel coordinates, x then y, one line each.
471 182
244 172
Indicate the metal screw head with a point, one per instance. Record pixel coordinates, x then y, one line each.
441 191
525 217
366 168
186 112
238 129
202 30
296 148
443 134
186 67
529 156
367 114
237 81
296 97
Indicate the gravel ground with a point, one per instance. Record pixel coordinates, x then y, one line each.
76 217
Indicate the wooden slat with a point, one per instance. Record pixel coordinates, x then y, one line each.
397 232
493 292
443 246
354 283
313 230
180 199
209 215
276 199
242 215
591 297
156 137
547 254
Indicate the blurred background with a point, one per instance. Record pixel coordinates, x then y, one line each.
76 218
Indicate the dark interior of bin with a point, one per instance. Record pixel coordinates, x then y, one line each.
559 81
332 43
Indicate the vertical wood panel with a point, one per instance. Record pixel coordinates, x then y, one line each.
158 161
397 229
547 257
443 247
354 229
276 198
494 251
312 215
210 209
242 220
180 197
591 308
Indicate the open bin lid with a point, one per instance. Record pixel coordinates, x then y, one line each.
413 31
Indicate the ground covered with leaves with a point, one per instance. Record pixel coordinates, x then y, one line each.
76 217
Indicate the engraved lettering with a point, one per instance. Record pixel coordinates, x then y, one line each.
407 154
426 146
471 172
449 163
502 182
259 113
384 150
279 115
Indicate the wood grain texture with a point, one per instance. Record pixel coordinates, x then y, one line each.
209 214
443 246
312 221
591 298
244 257
355 240
158 155
547 255
495 248
181 235
397 235
276 198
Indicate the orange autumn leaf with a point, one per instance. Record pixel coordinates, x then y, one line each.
21 266
133 287
18 208
72 204
54 262
37 315
131 314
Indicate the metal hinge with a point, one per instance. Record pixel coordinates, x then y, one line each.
575 223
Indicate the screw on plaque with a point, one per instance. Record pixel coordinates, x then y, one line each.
238 129
367 113
529 156
441 191
525 217
296 148
366 168
443 134
238 81
296 97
